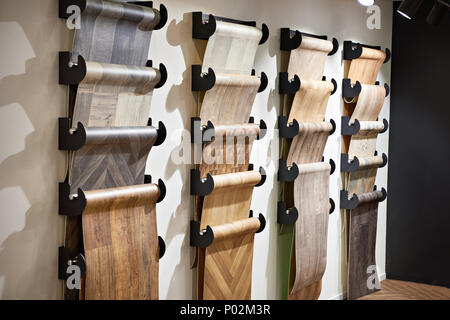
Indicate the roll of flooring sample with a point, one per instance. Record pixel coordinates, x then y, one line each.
310 101
311 198
112 95
308 60
230 150
232 48
231 258
228 261
231 99
362 272
365 69
115 32
309 144
121 243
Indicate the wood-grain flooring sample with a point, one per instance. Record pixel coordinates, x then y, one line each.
232 48
362 233
311 195
228 203
121 243
365 68
308 60
115 32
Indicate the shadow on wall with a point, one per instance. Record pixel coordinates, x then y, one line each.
29 235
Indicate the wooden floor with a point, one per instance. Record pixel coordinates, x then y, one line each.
402 290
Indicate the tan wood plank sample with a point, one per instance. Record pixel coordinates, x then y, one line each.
363 231
232 48
121 243
115 32
308 60
229 203
365 69
311 190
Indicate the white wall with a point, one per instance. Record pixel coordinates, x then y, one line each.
30 164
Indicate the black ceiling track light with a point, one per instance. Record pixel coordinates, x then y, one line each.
440 9
438 12
409 8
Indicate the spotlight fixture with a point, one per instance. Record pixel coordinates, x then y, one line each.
408 8
437 13
366 2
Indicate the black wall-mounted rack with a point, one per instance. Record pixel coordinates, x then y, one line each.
204 238
348 129
202 134
285 173
70 138
292 39
205 81
204 26
64 5
354 50
332 165
353 165
350 204
352 91
203 187
70 74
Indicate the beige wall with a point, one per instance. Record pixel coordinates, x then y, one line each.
30 164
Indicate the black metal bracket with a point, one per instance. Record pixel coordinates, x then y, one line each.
286 216
334 85
286 173
262 221
65 260
262 128
70 205
332 206
162 132
161 186
68 137
354 50
386 126
292 39
201 187
204 26
70 73
333 124
202 81
386 87
353 203
287 130
385 160
332 165
349 90
261 171
162 12
288 86
263 81
348 129
201 134
162 247
349 166
199 238
162 71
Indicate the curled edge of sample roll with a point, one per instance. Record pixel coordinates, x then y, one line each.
230 149
311 101
120 135
234 229
121 243
369 103
236 180
143 79
370 162
232 48
230 101
308 60
147 18
311 230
